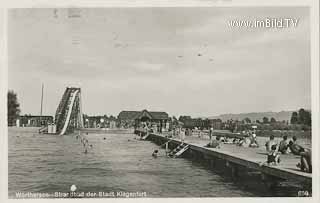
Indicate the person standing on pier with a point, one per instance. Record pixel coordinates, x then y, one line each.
182 135
210 133
214 143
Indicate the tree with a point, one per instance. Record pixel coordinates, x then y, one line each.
184 118
13 107
111 117
273 120
294 118
247 120
265 120
308 119
304 117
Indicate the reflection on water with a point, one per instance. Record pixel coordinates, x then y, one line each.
52 163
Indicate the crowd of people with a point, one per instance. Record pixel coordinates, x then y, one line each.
273 148
249 139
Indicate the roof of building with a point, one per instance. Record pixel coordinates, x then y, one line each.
132 115
128 115
34 116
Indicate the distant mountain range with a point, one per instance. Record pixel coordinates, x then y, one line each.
279 116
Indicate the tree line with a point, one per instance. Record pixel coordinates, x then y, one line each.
302 117
13 107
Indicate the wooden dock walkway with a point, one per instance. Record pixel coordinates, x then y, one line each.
247 157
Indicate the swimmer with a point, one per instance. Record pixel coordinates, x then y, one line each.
91 146
104 138
85 151
155 153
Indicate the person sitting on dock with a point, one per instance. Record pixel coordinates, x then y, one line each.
253 140
270 143
295 148
244 142
273 156
155 153
305 161
214 143
283 145
294 140
228 141
236 141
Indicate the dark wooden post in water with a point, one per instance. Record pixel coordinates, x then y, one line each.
270 181
233 170
212 163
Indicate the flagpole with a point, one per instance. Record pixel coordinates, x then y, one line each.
41 104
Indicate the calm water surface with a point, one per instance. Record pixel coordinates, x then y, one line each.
52 163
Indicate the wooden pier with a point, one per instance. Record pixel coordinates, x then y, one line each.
235 157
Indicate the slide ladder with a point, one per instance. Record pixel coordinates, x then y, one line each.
178 151
145 136
43 129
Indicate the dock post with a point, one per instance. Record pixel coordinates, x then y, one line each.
212 163
234 170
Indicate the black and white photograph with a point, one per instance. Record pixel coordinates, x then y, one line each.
160 102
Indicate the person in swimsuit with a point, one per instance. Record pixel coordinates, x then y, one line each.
283 145
273 156
305 161
155 153
214 143
295 148
270 143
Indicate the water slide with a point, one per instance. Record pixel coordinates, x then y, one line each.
70 106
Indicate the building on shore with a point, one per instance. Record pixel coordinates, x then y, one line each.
33 121
129 119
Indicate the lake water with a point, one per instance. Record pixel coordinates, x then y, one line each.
51 163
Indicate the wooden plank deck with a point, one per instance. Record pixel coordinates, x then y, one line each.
250 158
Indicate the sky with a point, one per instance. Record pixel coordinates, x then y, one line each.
185 61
